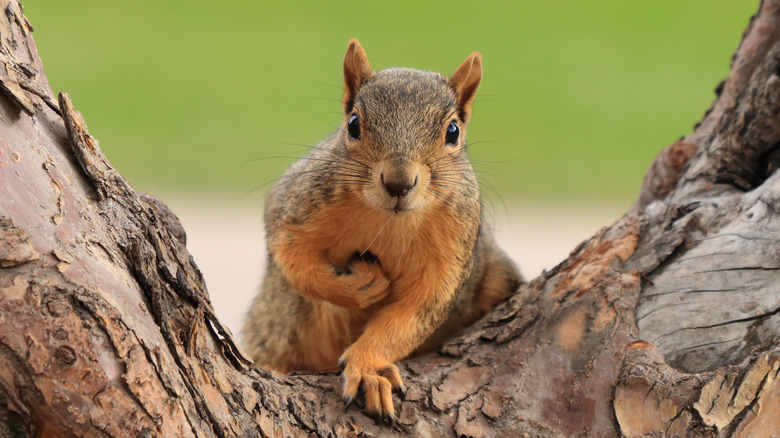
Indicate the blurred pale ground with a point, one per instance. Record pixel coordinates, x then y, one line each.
204 103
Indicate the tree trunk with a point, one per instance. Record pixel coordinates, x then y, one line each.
667 323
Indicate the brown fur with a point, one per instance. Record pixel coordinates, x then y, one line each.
364 278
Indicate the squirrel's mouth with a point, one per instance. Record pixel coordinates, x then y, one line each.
400 210
401 207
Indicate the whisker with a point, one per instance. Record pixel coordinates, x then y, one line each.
451 157
403 248
489 187
470 194
314 116
456 190
436 193
455 182
377 235
332 161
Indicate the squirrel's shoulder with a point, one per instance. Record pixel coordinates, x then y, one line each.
306 183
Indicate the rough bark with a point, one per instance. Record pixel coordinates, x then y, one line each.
665 323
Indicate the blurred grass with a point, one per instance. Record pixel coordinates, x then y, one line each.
576 100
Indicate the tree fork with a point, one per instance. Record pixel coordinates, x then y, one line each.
663 323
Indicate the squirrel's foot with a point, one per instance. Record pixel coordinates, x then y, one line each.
377 378
365 283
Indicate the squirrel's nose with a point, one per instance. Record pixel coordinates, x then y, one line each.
397 189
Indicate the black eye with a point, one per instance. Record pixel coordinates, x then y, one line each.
452 133
353 127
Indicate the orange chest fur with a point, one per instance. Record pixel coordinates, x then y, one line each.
406 245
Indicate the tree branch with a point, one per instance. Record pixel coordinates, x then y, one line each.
106 328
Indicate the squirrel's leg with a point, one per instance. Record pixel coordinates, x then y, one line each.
392 334
359 284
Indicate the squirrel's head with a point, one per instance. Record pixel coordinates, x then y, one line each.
404 132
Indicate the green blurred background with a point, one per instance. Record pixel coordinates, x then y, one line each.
577 96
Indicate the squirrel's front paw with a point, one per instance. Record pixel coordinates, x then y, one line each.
377 378
365 283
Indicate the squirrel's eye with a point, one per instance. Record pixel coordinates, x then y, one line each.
452 133
353 127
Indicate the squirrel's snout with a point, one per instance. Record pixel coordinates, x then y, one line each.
397 189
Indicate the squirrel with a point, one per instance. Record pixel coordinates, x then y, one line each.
377 249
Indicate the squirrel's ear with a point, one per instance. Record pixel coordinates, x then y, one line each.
356 72
465 81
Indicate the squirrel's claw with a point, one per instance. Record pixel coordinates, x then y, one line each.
380 419
366 256
391 373
376 387
351 386
401 391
